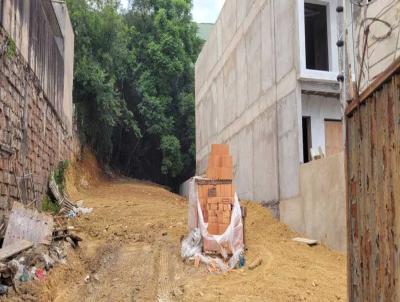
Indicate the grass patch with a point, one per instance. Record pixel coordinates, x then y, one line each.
11 49
49 206
59 175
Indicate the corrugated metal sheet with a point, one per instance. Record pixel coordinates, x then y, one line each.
373 190
43 54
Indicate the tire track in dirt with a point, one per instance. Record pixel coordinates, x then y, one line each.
164 283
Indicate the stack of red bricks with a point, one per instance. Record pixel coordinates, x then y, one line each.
220 163
216 193
216 203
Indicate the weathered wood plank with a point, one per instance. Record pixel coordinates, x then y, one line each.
396 185
14 249
390 209
373 194
307 241
372 183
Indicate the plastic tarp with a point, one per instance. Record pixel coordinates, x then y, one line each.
230 243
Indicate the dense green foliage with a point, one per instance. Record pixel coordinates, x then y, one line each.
134 85
59 175
49 205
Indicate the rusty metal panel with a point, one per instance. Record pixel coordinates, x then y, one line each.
373 191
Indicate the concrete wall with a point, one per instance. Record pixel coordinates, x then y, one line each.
380 52
43 34
320 108
64 21
247 95
320 211
184 188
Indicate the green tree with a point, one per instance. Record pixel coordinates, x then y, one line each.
102 55
134 85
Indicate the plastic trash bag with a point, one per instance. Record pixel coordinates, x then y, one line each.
192 244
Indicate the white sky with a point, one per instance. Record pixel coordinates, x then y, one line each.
204 11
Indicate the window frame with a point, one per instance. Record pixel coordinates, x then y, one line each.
311 74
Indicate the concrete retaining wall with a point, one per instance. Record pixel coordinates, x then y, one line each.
320 211
248 96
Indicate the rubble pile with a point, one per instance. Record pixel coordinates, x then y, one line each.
35 242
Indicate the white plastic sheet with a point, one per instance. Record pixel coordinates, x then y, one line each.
229 243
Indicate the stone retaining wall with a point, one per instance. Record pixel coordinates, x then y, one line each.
33 139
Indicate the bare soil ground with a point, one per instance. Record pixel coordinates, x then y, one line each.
131 252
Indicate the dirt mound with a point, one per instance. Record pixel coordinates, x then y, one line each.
83 172
131 252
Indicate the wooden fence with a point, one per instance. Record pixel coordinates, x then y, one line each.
373 190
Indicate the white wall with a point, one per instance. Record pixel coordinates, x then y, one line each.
248 96
332 38
320 108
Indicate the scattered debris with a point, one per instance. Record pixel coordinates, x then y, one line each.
196 261
14 249
309 242
255 263
3 289
65 204
32 246
27 224
40 273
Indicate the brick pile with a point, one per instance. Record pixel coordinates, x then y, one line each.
216 194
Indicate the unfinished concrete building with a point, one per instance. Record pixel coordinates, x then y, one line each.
36 75
266 84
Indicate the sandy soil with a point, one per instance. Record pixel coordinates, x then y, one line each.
131 253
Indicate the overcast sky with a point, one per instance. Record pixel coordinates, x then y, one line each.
204 11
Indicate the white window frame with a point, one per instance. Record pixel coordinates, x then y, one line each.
320 75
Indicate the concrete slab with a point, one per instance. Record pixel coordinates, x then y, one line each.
253 58
230 96
286 44
241 66
288 147
265 170
267 47
245 163
228 18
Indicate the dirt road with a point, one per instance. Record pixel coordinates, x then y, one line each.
131 253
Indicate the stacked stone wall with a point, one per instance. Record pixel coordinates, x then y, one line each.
33 137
